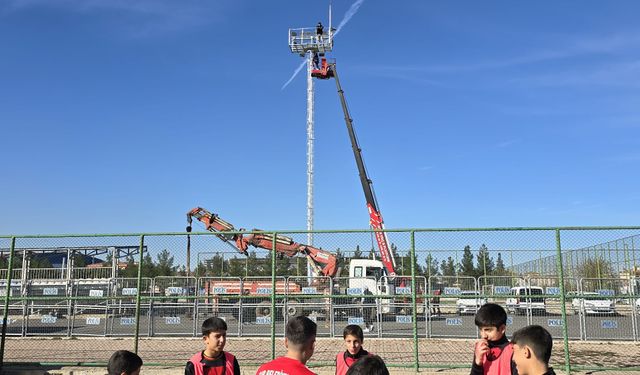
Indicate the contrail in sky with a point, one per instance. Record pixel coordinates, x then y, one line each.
354 8
347 16
304 62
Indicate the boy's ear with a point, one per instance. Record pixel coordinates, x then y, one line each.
286 343
527 352
502 328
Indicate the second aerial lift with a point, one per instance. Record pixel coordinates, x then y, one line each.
328 70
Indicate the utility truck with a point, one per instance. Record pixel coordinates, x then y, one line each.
365 275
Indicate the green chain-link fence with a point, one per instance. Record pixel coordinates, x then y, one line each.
75 299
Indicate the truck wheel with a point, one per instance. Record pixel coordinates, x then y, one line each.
293 309
263 309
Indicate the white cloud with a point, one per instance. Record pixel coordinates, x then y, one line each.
147 17
569 48
508 143
626 74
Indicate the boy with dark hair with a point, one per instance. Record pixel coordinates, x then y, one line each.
124 362
213 360
493 351
300 341
369 365
353 338
531 350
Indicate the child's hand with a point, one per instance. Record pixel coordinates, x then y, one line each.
482 348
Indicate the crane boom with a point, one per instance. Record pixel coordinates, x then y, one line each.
375 217
323 262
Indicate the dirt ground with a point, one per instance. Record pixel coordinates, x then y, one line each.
168 355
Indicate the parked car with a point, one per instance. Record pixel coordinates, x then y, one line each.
469 302
523 299
593 305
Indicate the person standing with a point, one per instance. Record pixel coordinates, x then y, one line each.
319 32
531 350
353 339
369 310
493 352
213 360
435 302
300 341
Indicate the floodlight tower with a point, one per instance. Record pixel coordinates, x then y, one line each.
309 42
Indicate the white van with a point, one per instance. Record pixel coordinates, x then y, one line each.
520 305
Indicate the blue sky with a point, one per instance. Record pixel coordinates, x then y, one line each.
120 116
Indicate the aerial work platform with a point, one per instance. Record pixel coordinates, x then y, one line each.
315 39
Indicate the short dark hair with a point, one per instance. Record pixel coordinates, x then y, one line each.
300 329
123 361
214 324
353 330
368 365
491 315
537 338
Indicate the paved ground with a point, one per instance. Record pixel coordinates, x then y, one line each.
173 352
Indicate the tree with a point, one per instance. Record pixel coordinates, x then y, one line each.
39 262
342 263
80 260
485 262
131 269
357 254
181 270
264 265
466 266
448 267
405 262
201 270
216 266
431 268
252 268
148 268
283 266
164 267
372 254
500 270
108 260
595 268
237 267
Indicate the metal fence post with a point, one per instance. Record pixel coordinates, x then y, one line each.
273 296
138 297
563 299
414 317
6 301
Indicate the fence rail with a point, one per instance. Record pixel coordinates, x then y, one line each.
547 276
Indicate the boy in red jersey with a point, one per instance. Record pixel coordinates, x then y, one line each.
353 338
300 341
493 351
213 360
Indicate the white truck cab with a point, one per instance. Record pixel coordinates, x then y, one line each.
370 274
